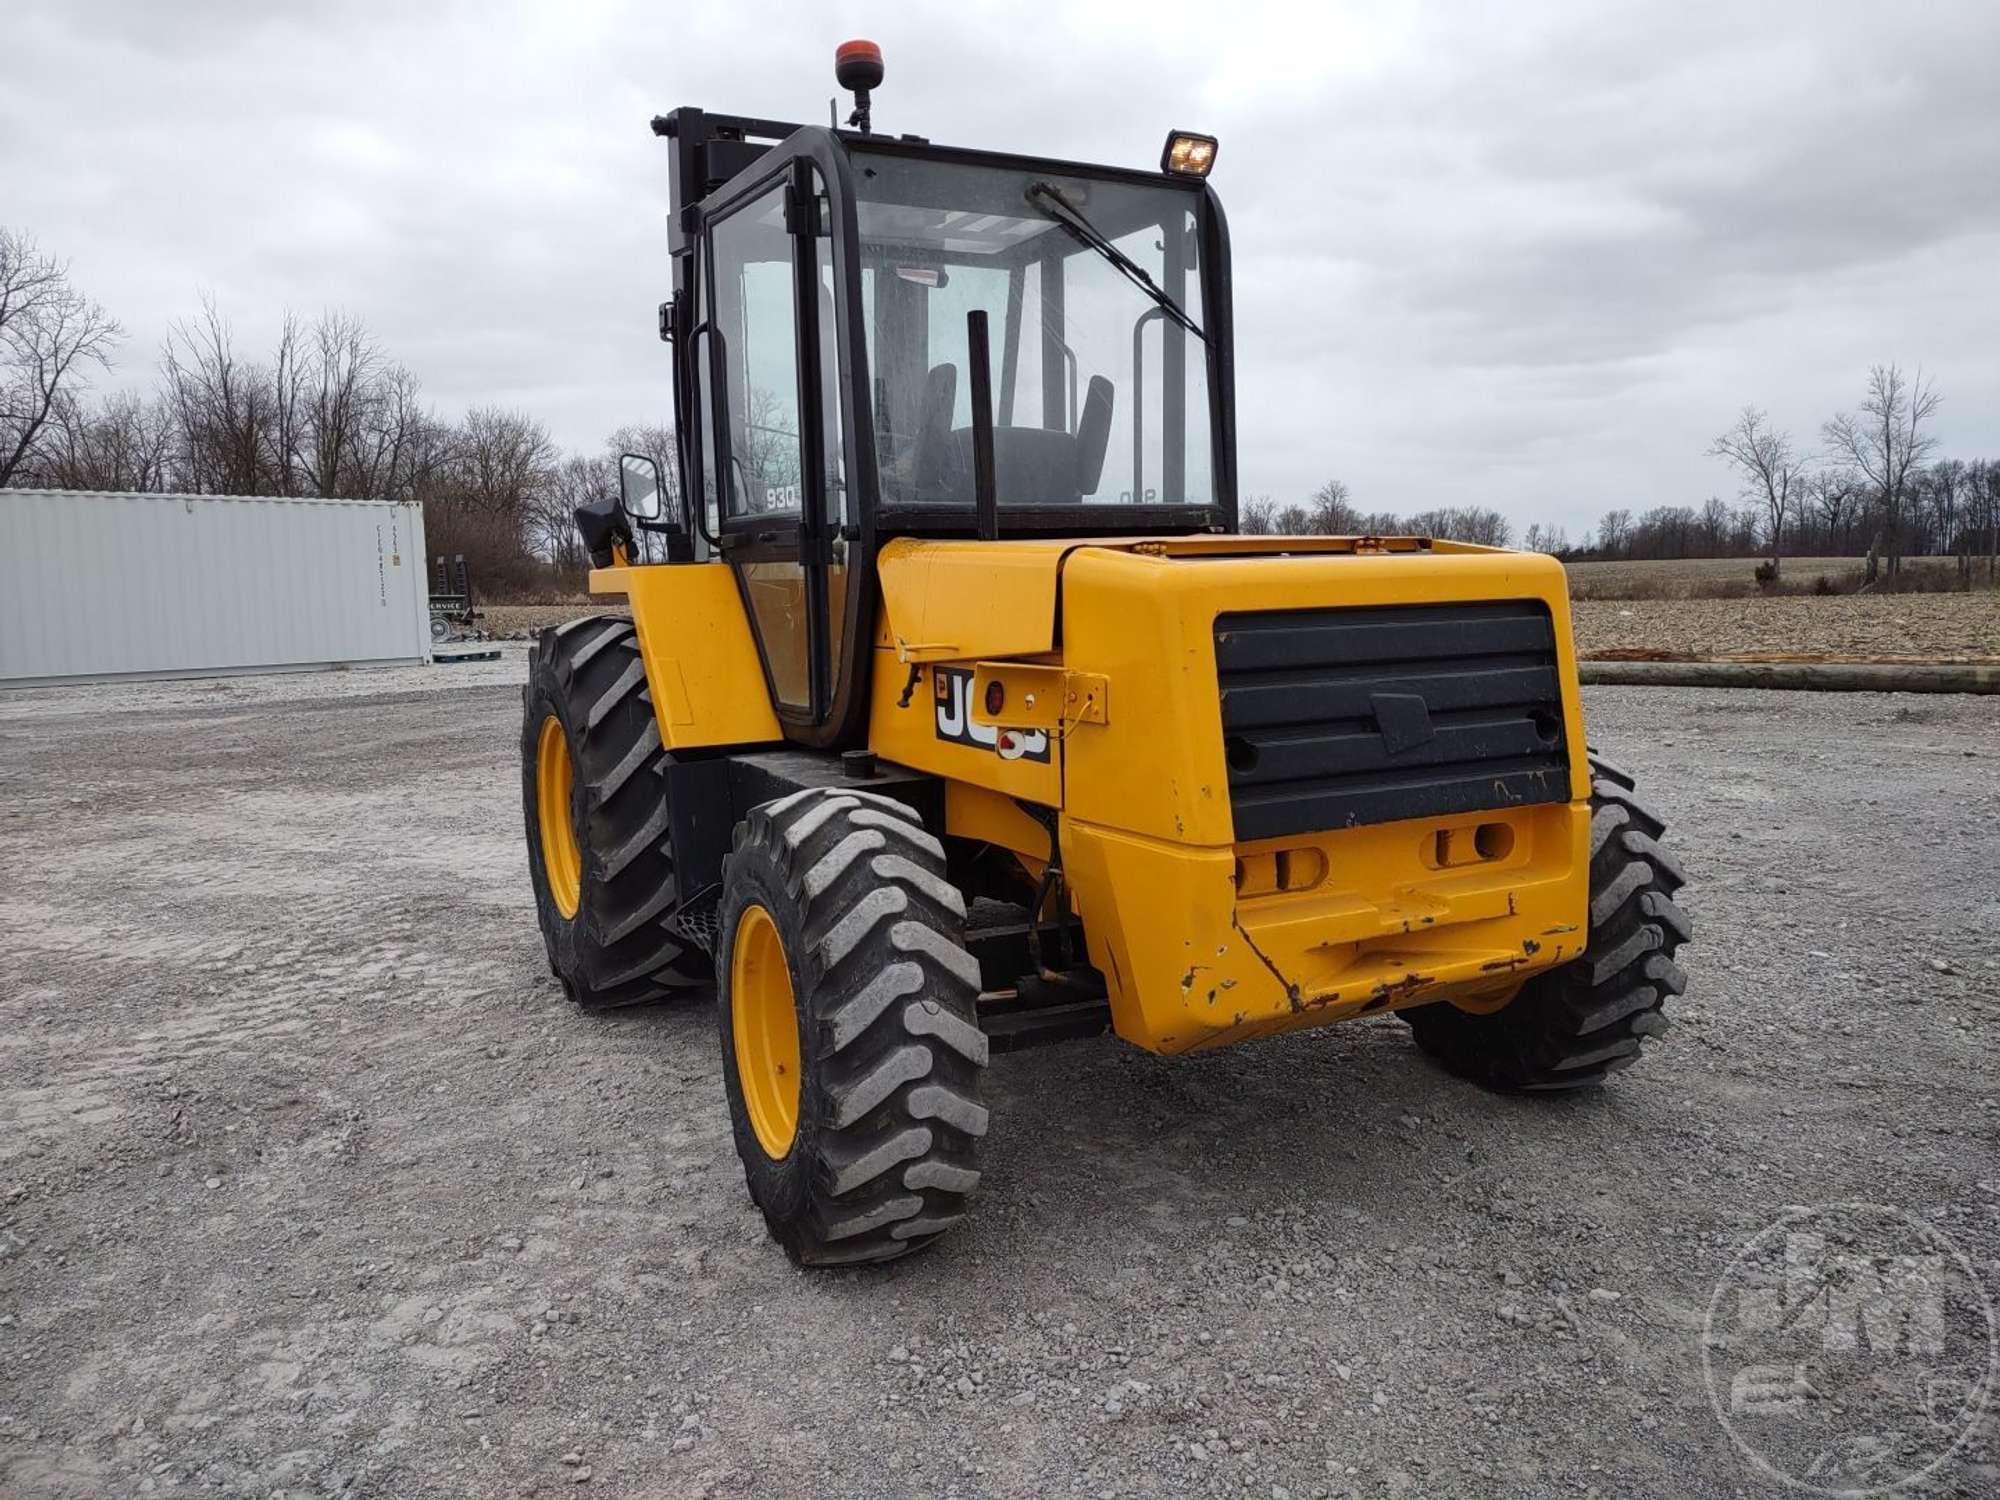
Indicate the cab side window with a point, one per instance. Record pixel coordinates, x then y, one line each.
752 256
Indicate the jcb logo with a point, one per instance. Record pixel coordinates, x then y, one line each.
953 689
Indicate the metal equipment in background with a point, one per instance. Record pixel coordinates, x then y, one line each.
454 613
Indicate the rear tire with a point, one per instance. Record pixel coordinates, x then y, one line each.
602 918
877 1155
1572 1027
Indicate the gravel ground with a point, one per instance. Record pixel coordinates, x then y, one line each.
313 1184
1923 627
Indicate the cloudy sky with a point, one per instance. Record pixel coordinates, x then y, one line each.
1524 255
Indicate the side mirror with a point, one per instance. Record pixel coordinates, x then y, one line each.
641 488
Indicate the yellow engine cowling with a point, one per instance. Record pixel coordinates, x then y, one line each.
1204 938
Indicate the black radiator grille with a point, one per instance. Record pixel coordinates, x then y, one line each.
1333 718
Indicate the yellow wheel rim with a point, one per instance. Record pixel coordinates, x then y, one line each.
562 863
765 1020
1486 1005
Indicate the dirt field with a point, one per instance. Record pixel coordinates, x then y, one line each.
508 620
312 1184
1924 627
1690 576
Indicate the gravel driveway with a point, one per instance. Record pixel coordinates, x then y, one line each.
311 1183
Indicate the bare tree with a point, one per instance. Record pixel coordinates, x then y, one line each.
482 497
123 444
50 335
1983 510
400 449
1458 523
1294 520
1614 532
575 482
1884 441
503 457
286 405
1715 523
1332 509
651 439
222 407
28 277
1830 494
1257 515
1769 470
1540 538
344 384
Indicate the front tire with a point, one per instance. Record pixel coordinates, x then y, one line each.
851 1049
594 804
1572 1027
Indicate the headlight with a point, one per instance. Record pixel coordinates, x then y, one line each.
1188 154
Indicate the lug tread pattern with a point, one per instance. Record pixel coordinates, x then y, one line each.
587 650
647 912
935 1101
894 1087
883 799
904 1065
939 1174
644 752
893 867
920 940
855 926
837 860
855 1016
902 828
647 835
967 1040
618 950
927 1229
883 1214
1574 1026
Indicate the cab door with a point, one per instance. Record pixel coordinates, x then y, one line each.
776 433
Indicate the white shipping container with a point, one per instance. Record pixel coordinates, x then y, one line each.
116 585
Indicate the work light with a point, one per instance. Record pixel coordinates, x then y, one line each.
1188 154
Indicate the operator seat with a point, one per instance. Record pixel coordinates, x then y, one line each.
1031 465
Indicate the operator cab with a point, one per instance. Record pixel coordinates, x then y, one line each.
877 337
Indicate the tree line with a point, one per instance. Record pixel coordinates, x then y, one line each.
324 412
1873 484
1948 508
1873 489
1331 511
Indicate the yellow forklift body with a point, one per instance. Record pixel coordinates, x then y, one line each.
1105 659
702 668
1204 940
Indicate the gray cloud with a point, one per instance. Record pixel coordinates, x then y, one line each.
1529 258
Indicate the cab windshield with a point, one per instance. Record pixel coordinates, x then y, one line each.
1100 393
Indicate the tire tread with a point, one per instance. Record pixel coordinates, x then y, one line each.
1573 1026
885 981
618 950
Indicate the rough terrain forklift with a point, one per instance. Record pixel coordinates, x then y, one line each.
952 715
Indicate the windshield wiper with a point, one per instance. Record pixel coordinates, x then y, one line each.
1086 233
